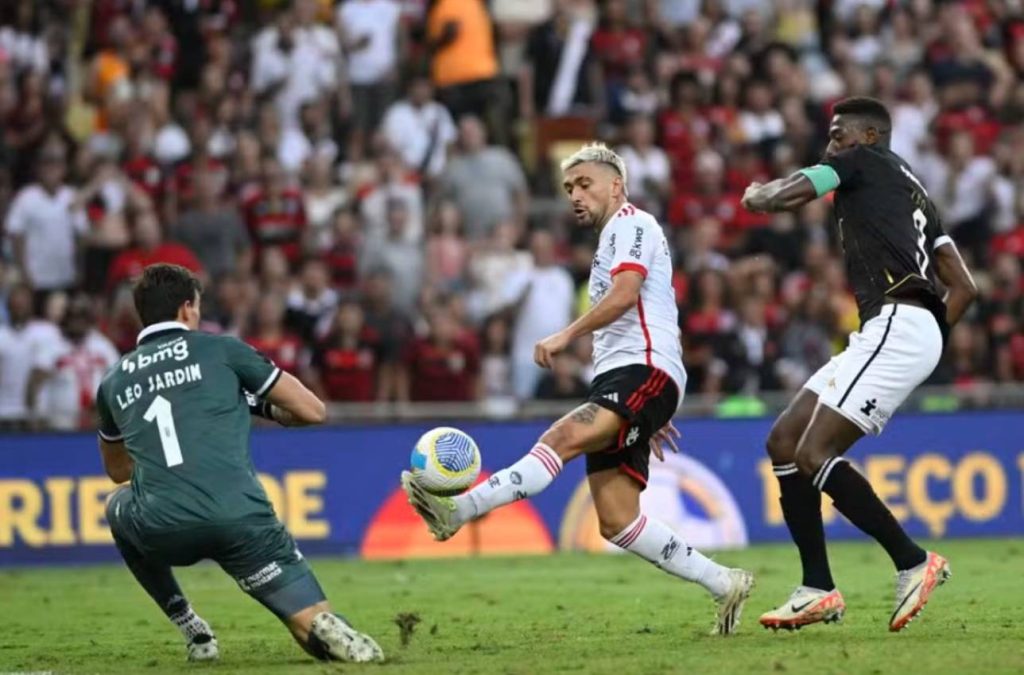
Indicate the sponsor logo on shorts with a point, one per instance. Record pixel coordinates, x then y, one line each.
613 397
260 578
519 494
634 433
494 481
874 413
516 478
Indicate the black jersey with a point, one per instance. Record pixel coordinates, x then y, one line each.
888 228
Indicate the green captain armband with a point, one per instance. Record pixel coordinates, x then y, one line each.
823 177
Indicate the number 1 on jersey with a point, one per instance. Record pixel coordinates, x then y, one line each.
160 410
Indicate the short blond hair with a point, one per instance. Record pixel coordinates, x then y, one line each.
598 153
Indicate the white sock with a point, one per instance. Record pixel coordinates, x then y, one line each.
190 624
655 542
525 478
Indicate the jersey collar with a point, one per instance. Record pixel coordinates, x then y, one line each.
156 329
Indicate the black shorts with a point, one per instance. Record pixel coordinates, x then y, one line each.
646 398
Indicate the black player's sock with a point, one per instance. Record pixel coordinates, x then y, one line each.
801 507
156 579
853 495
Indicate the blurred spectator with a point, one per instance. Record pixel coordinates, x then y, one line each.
21 339
446 252
106 200
541 300
392 328
961 184
213 229
495 364
322 198
464 63
494 261
342 254
311 302
108 83
751 350
563 382
274 213
370 37
444 365
21 39
647 166
393 252
393 183
485 181
345 364
270 337
289 69
67 369
759 121
420 129
44 228
149 249
560 76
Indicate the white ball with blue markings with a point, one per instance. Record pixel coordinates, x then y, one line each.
445 461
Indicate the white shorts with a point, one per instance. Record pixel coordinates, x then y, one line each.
892 354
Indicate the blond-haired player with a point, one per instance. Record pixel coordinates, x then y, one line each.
638 385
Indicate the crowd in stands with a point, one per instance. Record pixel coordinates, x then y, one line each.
368 188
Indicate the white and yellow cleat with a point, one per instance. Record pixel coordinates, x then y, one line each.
915 586
437 512
730 605
806 606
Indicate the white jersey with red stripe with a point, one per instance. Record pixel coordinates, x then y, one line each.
647 333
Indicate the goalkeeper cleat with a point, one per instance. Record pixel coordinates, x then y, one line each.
914 587
730 605
806 606
203 647
333 639
437 512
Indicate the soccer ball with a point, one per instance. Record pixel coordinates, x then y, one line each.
445 461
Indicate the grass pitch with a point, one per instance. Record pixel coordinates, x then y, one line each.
564 613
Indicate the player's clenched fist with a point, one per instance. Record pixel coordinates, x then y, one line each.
751 197
545 350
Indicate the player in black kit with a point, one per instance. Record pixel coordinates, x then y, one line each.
894 248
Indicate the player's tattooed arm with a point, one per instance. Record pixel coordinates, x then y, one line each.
784 194
585 414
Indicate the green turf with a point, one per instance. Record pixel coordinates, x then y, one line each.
565 613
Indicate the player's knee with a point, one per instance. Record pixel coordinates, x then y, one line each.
810 457
563 440
611 526
781 443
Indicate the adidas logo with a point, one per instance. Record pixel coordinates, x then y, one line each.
613 397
